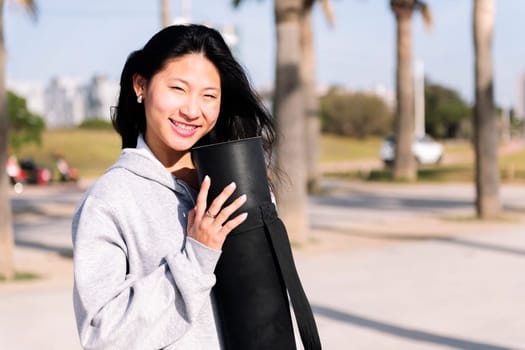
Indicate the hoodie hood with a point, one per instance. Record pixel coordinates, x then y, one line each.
141 162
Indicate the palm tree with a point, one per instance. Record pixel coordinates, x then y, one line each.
289 115
405 164
165 12
308 84
299 146
485 125
6 223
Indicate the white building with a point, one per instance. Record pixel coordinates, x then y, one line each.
101 95
65 102
32 91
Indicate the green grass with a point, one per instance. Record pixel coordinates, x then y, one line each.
90 151
428 174
450 173
460 147
21 276
461 169
339 148
513 166
438 173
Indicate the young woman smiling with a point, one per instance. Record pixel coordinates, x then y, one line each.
145 242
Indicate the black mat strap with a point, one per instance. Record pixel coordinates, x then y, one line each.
283 252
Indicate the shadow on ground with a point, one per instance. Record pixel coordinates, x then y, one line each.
421 238
65 252
403 332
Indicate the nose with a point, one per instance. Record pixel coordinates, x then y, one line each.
190 109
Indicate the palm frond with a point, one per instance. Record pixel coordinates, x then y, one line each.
237 3
408 4
328 11
425 12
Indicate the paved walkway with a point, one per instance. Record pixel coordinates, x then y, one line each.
436 293
388 267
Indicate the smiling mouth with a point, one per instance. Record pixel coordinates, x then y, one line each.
183 128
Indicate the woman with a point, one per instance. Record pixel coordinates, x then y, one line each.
145 244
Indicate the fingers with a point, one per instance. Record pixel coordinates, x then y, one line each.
200 205
211 229
225 212
233 223
219 201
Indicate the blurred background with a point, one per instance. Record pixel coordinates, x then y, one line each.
65 63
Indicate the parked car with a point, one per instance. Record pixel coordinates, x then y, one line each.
426 150
27 172
35 174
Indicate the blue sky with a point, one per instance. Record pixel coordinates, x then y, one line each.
80 38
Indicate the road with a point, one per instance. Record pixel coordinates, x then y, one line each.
387 267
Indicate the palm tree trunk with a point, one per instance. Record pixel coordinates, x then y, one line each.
165 13
289 115
6 224
485 125
311 103
404 164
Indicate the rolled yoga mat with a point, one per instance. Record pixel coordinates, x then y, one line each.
256 271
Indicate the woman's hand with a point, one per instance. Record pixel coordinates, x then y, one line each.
209 225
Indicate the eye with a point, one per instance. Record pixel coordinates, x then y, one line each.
178 88
210 96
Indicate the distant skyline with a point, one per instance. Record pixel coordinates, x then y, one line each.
83 38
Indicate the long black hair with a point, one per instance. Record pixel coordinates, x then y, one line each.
242 114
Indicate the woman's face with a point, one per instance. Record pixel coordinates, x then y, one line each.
182 104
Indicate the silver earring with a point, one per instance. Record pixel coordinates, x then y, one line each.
140 98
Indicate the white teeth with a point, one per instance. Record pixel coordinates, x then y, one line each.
184 126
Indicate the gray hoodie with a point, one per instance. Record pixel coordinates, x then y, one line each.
140 283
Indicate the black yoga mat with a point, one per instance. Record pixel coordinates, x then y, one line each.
256 271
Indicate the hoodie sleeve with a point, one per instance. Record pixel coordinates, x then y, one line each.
116 310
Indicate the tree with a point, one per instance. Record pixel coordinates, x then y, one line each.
446 112
289 116
24 126
485 124
405 165
165 13
294 53
308 87
354 114
6 224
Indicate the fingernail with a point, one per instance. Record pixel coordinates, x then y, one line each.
243 197
244 216
232 184
206 178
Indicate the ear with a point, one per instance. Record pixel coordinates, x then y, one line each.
139 84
